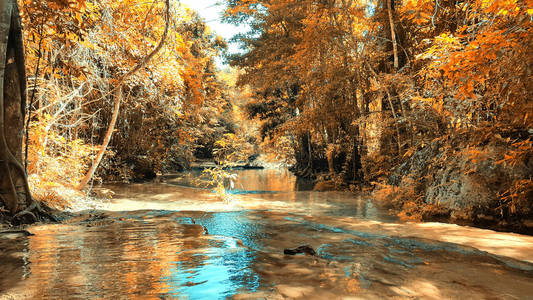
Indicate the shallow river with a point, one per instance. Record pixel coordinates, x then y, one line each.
174 240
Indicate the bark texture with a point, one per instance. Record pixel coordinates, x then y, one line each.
15 196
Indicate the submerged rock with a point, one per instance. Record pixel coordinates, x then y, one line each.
306 249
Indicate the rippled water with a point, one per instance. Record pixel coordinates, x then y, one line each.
166 240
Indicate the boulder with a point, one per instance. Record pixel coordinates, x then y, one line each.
467 181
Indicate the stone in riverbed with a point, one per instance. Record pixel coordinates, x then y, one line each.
306 249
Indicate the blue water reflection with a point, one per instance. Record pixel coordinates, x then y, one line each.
236 224
223 267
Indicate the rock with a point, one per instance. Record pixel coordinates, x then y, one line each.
467 181
306 249
464 183
485 218
528 223
461 215
203 164
455 190
142 168
179 164
416 166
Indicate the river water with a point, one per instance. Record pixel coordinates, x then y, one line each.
171 239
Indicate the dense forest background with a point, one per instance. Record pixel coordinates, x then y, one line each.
426 102
174 107
430 101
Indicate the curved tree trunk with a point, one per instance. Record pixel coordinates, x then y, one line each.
118 96
15 197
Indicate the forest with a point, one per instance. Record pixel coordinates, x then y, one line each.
428 101
417 110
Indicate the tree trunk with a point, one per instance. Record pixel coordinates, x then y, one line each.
330 155
389 98
118 96
393 35
107 138
15 197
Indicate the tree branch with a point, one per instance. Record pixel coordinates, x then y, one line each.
118 95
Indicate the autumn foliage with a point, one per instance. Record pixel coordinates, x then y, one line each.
78 51
353 92
383 80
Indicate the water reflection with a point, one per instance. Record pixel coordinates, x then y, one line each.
267 189
187 244
166 254
155 257
218 272
263 180
225 265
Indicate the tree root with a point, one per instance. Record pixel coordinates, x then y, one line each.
36 212
9 160
33 209
20 214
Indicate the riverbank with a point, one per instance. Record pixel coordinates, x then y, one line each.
483 181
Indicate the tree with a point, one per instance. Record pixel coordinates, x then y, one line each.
77 58
118 96
15 196
300 60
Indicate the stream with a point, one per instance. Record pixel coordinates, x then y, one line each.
175 240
